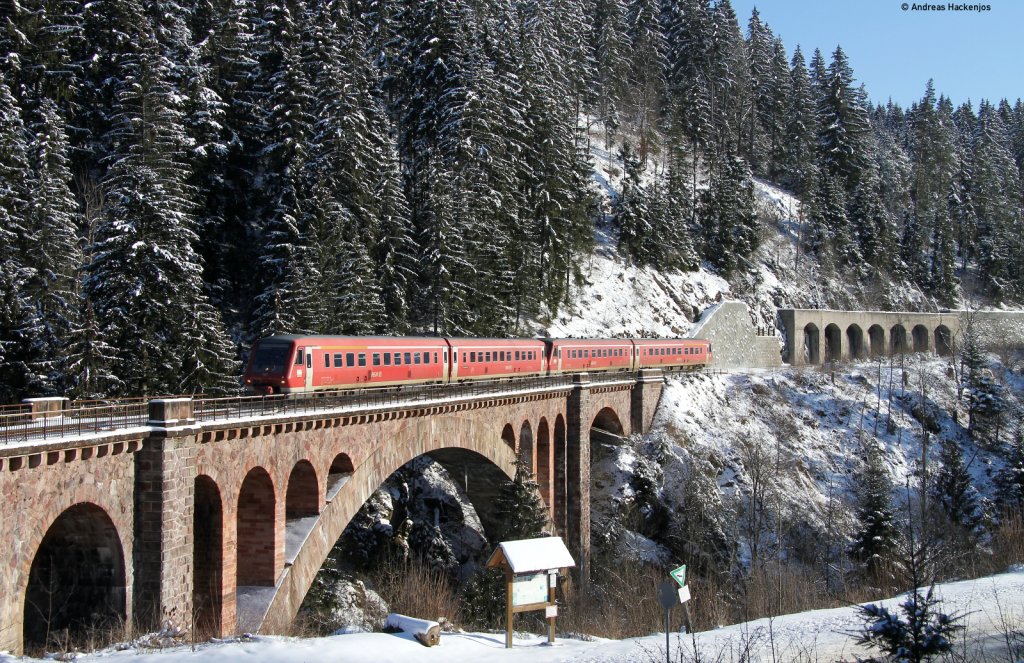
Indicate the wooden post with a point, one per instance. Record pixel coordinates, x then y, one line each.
552 599
509 613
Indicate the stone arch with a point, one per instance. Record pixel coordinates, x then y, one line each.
561 476
606 429
256 564
302 497
479 477
77 580
508 436
833 343
207 557
876 336
898 340
920 337
855 342
526 451
339 472
943 341
812 344
544 464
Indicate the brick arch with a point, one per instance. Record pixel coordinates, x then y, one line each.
208 587
302 496
525 450
544 462
561 489
257 561
78 579
57 496
508 436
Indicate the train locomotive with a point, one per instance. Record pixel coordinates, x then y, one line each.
288 363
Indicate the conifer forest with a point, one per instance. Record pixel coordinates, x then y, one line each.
180 179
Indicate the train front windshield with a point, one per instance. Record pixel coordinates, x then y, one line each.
270 359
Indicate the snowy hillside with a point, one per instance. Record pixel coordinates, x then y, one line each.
621 299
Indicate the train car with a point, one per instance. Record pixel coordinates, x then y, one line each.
688 354
296 364
487 358
569 355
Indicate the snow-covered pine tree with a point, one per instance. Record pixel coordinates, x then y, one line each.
798 166
953 489
843 124
43 43
1010 479
15 196
280 94
996 196
519 507
88 368
609 43
647 68
631 213
728 217
730 79
54 254
144 278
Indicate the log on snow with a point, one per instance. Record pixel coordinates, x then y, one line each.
426 632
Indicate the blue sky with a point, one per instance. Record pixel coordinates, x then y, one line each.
969 54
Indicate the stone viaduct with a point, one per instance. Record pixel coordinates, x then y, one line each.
215 515
816 336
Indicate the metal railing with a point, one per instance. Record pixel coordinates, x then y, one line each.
25 427
243 407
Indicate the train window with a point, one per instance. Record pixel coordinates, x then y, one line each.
488 355
362 359
416 358
444 356
327 360
472 357
426 357
387 358
398 359
350 359
376 359
298 358
337 360
407 358
517 355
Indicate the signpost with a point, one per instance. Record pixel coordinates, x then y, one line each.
669 596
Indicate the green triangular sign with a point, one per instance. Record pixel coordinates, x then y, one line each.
679 575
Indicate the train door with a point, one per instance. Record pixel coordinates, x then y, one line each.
309 368
454 365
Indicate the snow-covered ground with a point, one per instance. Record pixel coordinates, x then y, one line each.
991 607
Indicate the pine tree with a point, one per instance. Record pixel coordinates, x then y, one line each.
54 254
519 508
953 489
631 213
996 194
15 204
144 278
728 217
1010 479
876 537
843 124
797 164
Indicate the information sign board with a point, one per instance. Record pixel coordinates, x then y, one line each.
530 589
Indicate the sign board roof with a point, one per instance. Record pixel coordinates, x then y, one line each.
529 555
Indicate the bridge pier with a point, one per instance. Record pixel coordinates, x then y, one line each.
165 474
577 460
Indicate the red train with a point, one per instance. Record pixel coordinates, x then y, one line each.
291 364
